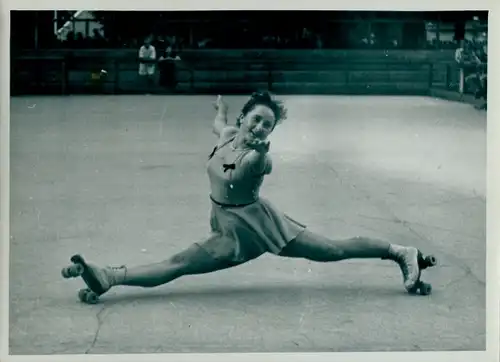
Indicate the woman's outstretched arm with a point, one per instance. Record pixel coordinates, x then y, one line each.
220 121
258 160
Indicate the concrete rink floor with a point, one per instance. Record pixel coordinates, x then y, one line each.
121 179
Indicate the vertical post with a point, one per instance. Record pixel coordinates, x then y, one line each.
191 35
438 31
55 22
64 76
447 77
461 81
270 76
117 76
438 35
431 75
191 78
36 30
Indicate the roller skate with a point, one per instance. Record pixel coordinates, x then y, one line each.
98 280
412 262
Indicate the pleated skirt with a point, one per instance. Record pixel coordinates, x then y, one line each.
242 233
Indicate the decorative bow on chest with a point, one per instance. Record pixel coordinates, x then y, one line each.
230 166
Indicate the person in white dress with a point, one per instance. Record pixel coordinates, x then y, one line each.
147 61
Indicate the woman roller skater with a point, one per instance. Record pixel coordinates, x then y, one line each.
243 224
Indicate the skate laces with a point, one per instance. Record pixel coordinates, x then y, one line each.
117 274
403 264
408 266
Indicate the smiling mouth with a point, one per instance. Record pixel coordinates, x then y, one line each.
254 135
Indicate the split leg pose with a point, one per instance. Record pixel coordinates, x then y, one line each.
245 225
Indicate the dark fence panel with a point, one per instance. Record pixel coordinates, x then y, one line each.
312 72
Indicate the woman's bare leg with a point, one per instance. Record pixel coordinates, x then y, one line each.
193 260
312 246
315 247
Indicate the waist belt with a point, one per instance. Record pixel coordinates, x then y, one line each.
232 205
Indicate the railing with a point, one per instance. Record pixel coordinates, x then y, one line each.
74 75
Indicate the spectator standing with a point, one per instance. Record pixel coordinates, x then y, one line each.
472 61
480 78
147 62
167 66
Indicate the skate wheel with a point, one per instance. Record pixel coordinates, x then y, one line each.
82 293
425 289
92 298
77 259
431 260
413 290
65 273
88 296
427 262
72 271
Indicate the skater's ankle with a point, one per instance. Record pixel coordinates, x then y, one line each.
117 275
395 251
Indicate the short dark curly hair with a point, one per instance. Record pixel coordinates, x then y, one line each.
264 98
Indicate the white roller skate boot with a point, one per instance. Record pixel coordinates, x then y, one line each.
407 258
99 280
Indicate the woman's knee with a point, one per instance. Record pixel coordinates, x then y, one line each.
189 260
311 246
198 260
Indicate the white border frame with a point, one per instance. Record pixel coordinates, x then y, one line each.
493 174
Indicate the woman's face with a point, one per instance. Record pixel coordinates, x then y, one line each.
258 123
